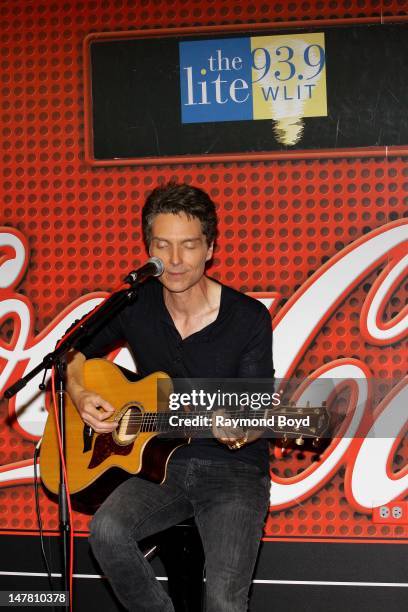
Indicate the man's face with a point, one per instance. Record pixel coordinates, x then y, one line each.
180 243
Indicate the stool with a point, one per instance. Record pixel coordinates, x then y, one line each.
181 551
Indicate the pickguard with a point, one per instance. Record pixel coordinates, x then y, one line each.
104 447
120 441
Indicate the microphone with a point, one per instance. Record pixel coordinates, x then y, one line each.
153 267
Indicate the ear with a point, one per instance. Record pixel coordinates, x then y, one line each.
210 252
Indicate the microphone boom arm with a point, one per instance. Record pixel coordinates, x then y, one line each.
93 321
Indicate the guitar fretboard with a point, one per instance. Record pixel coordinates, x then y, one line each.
285 419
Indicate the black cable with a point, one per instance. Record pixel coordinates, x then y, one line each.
39 520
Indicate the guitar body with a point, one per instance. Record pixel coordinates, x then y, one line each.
129 447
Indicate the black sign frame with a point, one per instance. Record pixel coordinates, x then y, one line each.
93 129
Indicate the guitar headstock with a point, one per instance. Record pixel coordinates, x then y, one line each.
299 426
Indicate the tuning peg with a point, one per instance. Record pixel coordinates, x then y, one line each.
316 442
300 441
284 442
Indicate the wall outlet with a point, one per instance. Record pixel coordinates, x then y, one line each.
394 513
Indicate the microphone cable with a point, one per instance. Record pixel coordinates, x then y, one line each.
39 519
121 286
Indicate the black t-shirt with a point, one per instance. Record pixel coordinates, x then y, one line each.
238 344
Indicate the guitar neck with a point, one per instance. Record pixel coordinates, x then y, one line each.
285 420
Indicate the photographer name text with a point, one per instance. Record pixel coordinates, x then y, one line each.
220 420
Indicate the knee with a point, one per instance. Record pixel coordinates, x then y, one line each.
106 531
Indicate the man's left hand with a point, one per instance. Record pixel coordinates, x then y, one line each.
228 435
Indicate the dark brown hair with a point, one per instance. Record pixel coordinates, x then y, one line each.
179 198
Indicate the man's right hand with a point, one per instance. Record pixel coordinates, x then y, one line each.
92 408
95 411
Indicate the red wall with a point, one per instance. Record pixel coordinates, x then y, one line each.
281 222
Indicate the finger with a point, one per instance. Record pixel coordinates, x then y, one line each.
234 433
223 436
91 412
95 419
229 434
216 429
104 415
101 427
96 413
98 430
101 403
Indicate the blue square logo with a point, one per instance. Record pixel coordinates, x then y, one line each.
215 80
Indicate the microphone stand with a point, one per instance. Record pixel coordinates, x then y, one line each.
93 322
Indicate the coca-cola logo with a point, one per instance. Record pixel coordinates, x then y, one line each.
369 480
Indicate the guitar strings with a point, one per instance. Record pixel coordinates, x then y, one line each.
295 411
148 422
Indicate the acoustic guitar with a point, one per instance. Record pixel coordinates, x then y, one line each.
141 409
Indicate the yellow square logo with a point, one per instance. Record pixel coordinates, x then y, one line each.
288 81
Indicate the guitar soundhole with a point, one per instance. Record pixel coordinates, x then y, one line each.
129 424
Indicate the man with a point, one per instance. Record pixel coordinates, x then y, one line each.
187 325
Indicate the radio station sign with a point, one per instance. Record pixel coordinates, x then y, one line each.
173 96
282 78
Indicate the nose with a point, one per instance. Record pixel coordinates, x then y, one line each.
175 255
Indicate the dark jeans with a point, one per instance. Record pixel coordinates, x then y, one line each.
229 502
